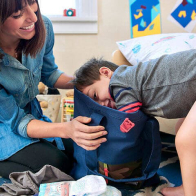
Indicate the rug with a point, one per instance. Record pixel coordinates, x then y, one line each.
3 180
169 170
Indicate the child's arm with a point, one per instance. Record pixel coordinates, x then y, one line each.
130 107
125 100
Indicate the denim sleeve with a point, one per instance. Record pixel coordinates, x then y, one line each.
12 117
50 72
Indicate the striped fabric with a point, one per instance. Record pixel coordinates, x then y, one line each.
131 107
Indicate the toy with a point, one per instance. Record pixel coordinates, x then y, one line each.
43 104
68 106
69 12
43 89
70 93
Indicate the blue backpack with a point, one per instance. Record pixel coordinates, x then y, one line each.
132 138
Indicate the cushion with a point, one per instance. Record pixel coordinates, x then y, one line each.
149 47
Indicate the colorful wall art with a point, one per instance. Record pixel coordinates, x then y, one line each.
145 17
184 14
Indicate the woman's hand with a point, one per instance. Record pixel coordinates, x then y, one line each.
88 137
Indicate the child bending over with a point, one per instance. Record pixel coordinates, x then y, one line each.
164 87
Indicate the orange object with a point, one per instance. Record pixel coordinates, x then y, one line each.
106 171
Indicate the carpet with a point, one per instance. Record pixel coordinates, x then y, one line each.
3 180
169 170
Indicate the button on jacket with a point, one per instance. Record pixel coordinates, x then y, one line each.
18 90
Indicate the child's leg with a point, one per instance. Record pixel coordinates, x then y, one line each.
186 148
173 191
178 124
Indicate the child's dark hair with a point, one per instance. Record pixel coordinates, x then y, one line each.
88 73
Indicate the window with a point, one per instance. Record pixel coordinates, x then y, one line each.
71 16
50 9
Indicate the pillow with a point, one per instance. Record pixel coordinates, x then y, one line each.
149 47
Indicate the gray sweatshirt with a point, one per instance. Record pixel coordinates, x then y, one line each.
164 87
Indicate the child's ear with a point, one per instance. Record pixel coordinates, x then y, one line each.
105 71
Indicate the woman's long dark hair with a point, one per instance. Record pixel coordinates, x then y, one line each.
35 44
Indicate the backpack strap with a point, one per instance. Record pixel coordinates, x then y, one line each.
91 156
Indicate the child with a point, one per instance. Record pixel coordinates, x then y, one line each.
162 87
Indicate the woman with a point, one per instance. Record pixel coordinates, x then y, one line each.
26 58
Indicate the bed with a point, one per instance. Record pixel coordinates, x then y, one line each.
132 51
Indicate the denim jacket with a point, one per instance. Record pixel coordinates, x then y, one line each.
18 90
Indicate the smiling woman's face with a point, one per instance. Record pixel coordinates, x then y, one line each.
21 24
